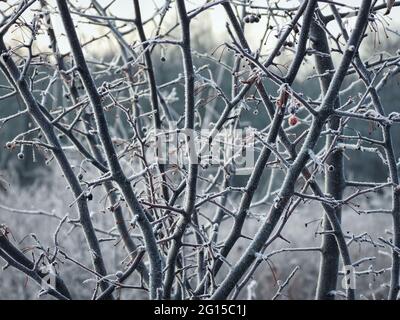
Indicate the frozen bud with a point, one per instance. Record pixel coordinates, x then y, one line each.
291 109
259 256
21 156
10 145
276 202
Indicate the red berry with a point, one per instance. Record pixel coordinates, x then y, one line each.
293 120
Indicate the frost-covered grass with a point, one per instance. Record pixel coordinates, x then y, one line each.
301 231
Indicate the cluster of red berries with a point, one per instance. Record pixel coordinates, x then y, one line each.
292 110
281 102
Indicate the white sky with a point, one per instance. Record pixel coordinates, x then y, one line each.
213 22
